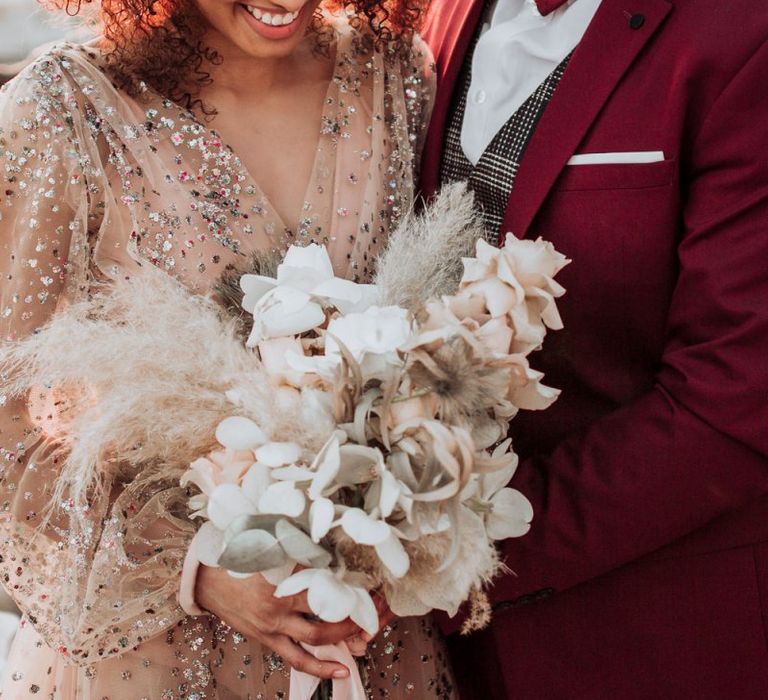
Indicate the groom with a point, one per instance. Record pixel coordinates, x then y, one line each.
633 134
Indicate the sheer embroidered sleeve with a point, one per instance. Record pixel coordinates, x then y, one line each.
420 84
54 203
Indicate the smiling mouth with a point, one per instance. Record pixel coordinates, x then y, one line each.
272 19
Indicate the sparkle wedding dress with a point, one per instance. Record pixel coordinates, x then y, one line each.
93 185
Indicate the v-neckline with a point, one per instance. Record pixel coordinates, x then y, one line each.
329 105
342 35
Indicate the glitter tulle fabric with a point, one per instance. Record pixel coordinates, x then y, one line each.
94 184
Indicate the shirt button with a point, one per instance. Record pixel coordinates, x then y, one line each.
480 97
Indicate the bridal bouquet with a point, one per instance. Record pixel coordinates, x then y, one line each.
407 492
334 437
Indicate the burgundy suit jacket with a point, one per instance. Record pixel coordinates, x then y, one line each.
646 572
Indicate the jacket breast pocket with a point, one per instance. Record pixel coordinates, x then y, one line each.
617 176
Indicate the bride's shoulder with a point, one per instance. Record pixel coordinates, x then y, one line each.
402 64
56 81
355 35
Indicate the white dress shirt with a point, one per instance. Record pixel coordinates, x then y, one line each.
517 50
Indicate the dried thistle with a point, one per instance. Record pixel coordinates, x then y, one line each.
464 382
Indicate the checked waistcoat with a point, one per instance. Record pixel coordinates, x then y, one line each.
493 178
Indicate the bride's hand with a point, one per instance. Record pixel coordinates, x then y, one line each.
249 606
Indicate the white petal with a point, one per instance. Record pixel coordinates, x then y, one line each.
290 318
364 529
200 474
345 295
256 481
330 599
499 297
364 614
390 493
284 299
511 516
312 256
317 364
326 465
209 544
292 473
226 503
278 454
239 433
493 482
283 498
321 514
393 556
254 287
296 583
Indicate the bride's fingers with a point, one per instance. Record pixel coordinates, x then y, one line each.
296 657
316 633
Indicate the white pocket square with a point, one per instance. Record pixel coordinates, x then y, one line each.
616 158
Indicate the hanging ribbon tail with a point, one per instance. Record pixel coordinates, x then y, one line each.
303 685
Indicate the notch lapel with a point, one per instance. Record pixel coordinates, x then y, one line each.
607 50
449 31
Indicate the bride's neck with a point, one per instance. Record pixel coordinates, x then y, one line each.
244 76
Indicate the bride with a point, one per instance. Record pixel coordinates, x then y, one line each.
189 137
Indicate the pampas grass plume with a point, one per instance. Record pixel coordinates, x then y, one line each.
423 258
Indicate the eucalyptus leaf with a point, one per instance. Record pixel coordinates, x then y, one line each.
252 551
243 523
300 547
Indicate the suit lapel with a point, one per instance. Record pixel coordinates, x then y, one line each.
605 53
449 32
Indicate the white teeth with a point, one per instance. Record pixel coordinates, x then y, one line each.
273 20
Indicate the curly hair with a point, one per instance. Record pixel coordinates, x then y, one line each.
160 43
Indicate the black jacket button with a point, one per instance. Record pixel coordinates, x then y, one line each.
636 21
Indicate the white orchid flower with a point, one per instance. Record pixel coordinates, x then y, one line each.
295 302
331 598
505 511
510 515
372 337
284 311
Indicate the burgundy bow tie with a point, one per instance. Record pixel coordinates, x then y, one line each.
547 6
